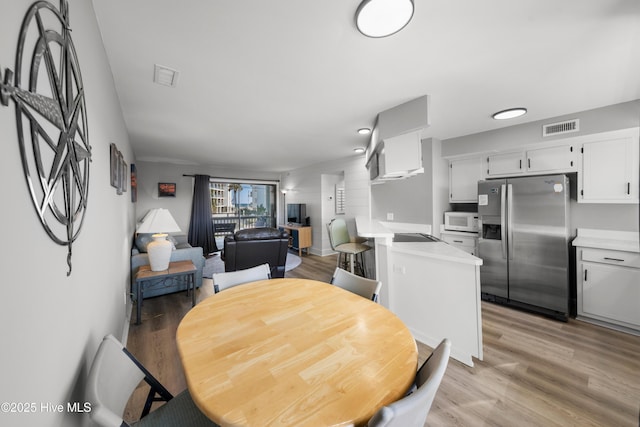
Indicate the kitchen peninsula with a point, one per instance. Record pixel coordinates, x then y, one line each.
433 287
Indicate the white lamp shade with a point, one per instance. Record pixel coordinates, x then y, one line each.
158 221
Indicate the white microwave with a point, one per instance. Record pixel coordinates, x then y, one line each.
461 221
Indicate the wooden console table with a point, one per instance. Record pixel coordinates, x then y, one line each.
175 270
299 237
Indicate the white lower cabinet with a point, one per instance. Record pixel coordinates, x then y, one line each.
467 243
608 287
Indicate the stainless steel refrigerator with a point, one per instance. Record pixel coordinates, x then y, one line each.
524 242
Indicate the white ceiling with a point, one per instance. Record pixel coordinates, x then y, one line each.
280 84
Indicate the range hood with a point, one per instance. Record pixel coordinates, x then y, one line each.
399 157
395 150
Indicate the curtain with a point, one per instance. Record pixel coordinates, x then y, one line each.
201 225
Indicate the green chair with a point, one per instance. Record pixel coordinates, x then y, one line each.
342 243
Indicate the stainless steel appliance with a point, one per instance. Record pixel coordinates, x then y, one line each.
524 242
414 237
461 221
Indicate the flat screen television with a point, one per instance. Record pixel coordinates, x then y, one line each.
297 213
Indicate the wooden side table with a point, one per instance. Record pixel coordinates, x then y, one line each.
299 237
176 269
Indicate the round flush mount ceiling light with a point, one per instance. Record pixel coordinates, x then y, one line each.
359 150
511 113
382 18
364 131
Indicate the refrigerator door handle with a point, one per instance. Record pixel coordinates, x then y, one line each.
509 220
503 207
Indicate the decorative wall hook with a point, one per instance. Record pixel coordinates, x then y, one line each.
51 119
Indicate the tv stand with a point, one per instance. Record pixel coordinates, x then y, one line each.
299 237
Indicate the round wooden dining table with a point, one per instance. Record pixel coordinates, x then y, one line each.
294 352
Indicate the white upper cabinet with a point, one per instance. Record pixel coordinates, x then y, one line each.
562 158
607 166
609 172
557 159
464 175
505 164
401 156
395 149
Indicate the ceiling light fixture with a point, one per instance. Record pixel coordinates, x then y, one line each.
364 131
511 113
358 150
382 18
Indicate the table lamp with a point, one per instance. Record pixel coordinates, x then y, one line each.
160 222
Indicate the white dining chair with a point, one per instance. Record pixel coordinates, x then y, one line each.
115 374
362 286
229 279
412 410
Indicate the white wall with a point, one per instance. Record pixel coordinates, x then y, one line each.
306 186
328 203
51 324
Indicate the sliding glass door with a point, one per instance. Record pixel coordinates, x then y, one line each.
238 204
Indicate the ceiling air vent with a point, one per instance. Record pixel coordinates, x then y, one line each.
165 76
561 127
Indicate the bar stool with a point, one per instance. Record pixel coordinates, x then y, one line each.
342 243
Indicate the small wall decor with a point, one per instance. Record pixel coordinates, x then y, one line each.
134 183
114 161
166 189
46 88
118 171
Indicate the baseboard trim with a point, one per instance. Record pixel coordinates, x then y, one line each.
127 322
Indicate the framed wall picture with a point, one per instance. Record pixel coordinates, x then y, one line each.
124 175
118 170
114 161
166 189
134 183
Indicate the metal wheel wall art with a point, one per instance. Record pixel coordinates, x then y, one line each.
51 120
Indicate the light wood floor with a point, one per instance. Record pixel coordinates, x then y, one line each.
535 372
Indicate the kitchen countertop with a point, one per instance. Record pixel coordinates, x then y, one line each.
384 231
437 250
373 228
607 239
